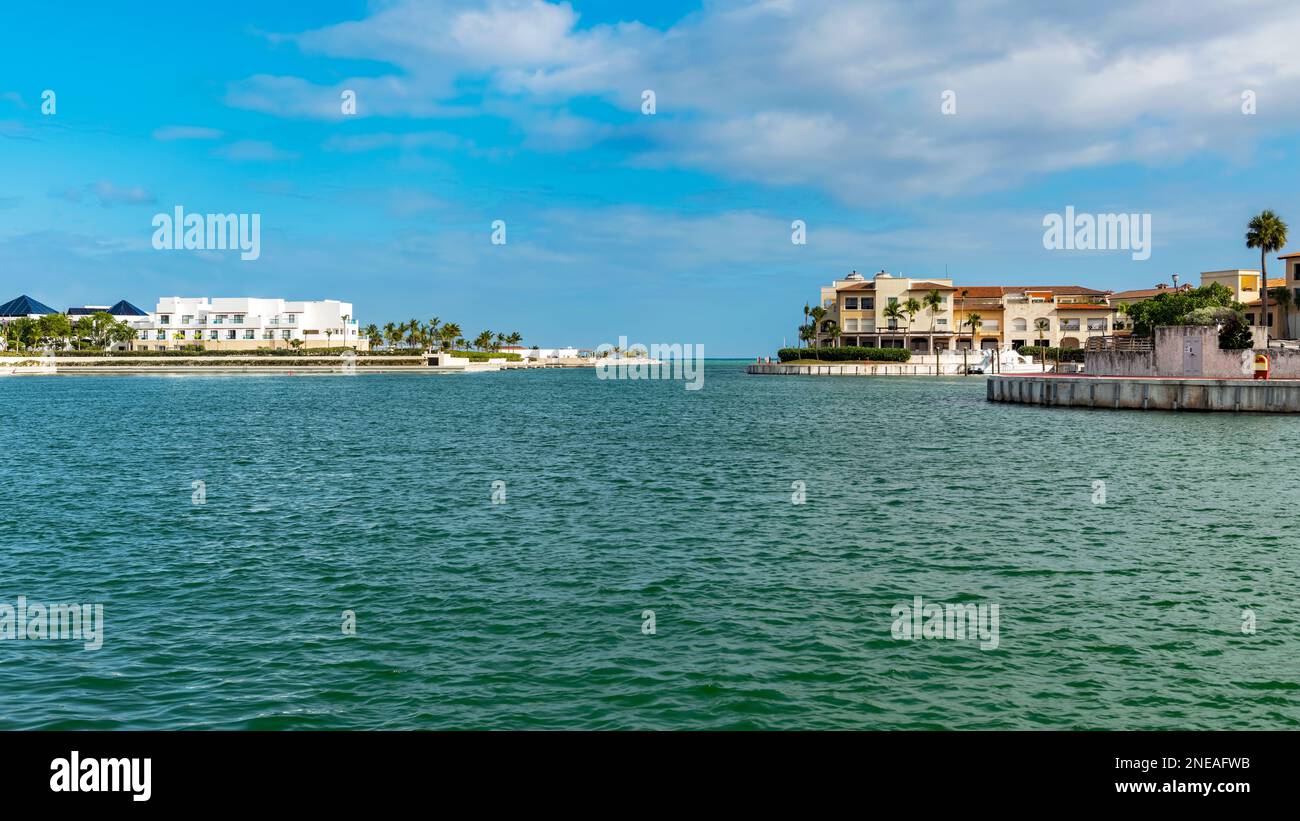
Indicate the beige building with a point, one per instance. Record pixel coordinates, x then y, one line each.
1292 283
1009 315
1244 284
860 309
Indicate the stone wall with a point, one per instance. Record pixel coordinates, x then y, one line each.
1170 357
1147 394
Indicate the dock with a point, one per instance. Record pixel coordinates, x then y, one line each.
1233 395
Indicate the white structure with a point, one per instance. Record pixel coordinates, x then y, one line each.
246 323
550 353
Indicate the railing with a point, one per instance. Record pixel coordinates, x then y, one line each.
1118 343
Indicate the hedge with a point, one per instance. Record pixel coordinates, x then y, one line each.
1052 354
845 354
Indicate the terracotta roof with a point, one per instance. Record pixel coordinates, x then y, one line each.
1147 293
1083 306
1059 289
977 291
930 286
857 286
1291 255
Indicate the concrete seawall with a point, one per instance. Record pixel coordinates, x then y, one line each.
835 369
1148 393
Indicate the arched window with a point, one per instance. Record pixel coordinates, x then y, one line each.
1019 325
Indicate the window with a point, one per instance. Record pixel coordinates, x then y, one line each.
1069 324
285 333
164 319
162 335
218 319
850 324
851 303
248 334
869 303
268 334
187 319
941 322
212 334
1097 324
893 300
238 319
1019 325
230 334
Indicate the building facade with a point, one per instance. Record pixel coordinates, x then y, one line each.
1008 315
246 323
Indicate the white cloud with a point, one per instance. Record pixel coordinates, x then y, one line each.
838 95
108 194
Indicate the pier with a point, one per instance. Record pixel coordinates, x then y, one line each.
1147 393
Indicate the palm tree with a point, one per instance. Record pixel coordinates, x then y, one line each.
450 334
392 334
1122 310
806 333
894 314
434 334
346 317
515 338
933 301
975 321
911 307
833 331
806 312
1284 302
1041 325
1267 232
483 340
373 335
817 315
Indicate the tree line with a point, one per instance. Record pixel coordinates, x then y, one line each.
94 332
436 334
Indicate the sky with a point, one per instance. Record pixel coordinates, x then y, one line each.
923 138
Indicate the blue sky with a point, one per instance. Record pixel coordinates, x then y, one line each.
666 228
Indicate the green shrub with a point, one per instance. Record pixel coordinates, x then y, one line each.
483 356
845 354
1051 354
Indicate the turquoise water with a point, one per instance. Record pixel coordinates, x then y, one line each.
373 494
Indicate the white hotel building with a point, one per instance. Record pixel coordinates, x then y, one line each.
243 323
